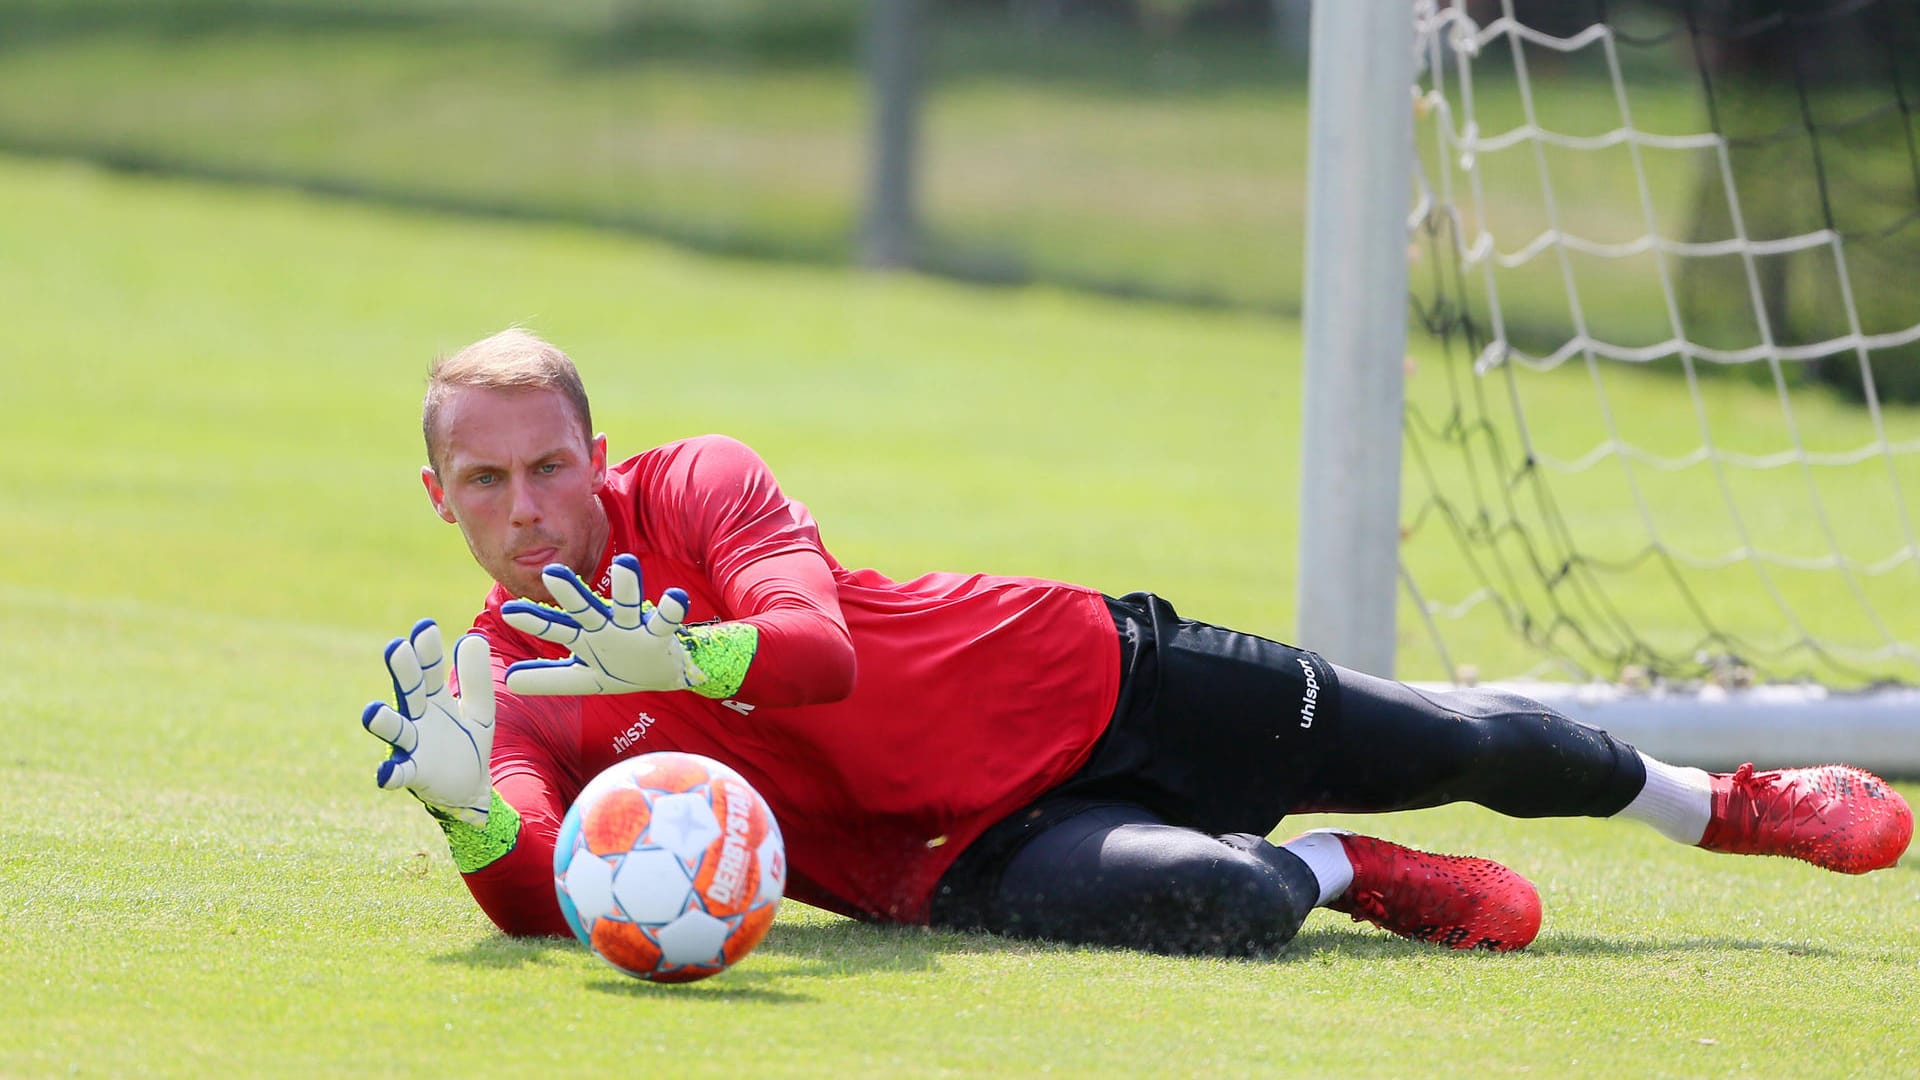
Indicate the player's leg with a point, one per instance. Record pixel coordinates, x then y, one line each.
1522 758
1230 731
1116 874
1390 746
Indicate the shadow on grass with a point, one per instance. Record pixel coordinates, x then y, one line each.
941 256
499 951
830 950
735 985
845 948
1361 945
1585 945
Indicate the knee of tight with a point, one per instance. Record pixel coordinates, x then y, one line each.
1225 901
1247 907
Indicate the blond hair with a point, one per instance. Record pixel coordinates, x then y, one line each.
513 359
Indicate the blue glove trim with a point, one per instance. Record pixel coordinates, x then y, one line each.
531 665
541 611
565 572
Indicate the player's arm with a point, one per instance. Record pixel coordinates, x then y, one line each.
806 654
763 551
441 744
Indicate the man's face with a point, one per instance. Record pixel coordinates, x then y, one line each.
520 479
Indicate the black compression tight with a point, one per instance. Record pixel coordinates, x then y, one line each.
1399 748
1117 875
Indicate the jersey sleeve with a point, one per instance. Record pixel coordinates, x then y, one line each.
763 552
531 741
516 890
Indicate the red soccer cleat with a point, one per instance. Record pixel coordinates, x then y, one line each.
1458 901
1835 816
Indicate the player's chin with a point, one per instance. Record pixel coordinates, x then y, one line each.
523 583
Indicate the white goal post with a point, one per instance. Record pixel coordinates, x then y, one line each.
1383 70
1359 174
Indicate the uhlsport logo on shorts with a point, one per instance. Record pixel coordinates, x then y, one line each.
1311 699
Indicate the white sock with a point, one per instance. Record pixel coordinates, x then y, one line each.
1323 853
1677 800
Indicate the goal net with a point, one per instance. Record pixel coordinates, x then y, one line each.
1660 433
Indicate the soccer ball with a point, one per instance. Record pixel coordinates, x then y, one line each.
669 866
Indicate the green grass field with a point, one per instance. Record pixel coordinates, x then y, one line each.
213 525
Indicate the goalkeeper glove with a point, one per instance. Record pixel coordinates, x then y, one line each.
441 744
619 646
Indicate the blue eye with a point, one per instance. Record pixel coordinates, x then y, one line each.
550 468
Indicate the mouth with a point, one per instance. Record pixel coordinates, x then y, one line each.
537 557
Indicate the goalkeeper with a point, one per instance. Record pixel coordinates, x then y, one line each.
1022 756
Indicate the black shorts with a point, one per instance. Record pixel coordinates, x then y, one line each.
1213 730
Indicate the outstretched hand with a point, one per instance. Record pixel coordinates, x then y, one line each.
620 645
441 744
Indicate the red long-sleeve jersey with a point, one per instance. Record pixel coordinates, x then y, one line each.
886 723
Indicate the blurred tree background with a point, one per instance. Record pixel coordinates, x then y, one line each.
1153 148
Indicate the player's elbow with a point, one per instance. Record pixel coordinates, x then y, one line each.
800 661
834 671
841 674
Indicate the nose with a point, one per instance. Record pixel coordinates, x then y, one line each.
525 509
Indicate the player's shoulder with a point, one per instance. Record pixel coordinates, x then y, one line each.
713 444
705 456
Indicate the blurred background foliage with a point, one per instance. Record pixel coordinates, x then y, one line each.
1152 148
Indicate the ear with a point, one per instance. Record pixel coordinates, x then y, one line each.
436 494
597 459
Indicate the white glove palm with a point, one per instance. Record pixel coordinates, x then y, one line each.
619 646
441 744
